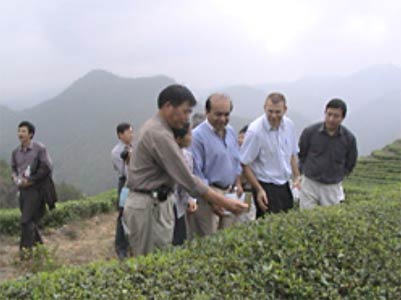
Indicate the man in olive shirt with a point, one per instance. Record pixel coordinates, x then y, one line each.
156 166
327 154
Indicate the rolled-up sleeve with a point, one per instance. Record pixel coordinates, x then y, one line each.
250 148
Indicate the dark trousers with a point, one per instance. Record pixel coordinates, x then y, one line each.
120 242
32 210
279 197
180 229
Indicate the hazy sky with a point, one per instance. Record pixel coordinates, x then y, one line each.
45 45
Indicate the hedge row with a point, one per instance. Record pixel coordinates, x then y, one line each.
64 212
370 171
332 253
350 251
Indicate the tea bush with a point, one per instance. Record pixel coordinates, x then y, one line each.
348 251
64 212
342 252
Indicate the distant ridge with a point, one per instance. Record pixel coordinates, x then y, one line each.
78 124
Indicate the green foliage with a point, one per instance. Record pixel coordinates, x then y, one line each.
7 192
64 212
67 191
333 253
348 251
38 259
5 171
383 167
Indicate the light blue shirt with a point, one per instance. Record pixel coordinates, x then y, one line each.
268 151
216 160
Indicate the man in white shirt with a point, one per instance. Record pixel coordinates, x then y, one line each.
119 157
269 157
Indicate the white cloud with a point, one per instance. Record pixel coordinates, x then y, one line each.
47 44
273 24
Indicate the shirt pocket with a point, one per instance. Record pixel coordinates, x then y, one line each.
286 148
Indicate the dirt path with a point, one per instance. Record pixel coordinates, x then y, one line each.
77 243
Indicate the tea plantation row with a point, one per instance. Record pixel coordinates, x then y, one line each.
349 251
343 252
64 213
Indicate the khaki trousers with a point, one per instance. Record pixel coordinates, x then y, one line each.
149 223
204 221
314 193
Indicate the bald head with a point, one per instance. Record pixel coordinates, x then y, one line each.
217 97
218 108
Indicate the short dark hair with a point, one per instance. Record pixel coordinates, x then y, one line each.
181 132
176 94
337 103
276 98
244 129
122 127
29 125
208 104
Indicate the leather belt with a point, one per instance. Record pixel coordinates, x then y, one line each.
225 188
147 192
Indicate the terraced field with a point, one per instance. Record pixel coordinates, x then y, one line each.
381 167
348 251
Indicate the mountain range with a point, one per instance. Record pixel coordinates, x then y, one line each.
78 125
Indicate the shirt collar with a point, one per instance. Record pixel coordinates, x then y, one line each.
163 122
268 125
209 125
340 130
122 144
212 128
223 138
29 147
